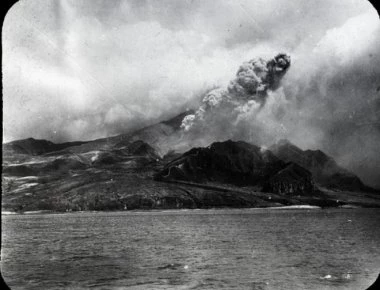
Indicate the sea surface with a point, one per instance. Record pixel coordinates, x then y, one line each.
193 249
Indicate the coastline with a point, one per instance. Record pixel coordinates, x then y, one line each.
186 210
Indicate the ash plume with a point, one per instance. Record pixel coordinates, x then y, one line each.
254 79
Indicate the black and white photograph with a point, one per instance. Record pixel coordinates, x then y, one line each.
191 144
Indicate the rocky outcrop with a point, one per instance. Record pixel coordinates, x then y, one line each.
292 180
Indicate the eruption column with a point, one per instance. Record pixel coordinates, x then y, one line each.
250 87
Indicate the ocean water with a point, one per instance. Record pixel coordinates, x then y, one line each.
194 249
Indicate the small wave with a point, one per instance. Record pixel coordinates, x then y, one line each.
37 211
172 266
342 278
301 206
347 276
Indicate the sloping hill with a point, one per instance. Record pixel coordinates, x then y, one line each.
33 146
154 135
325 170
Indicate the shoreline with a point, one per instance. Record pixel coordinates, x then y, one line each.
184 210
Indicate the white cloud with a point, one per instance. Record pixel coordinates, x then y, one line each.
350 40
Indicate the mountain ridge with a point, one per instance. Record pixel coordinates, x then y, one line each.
323 167
151 134
129 171
238 163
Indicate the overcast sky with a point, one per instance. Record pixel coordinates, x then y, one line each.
84 69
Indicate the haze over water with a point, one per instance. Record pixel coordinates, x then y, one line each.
195 249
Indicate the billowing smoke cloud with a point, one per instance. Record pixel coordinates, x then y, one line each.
249 89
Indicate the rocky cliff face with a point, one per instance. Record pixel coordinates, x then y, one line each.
292 179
